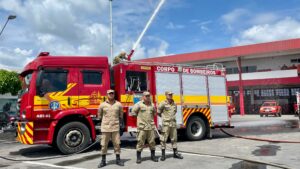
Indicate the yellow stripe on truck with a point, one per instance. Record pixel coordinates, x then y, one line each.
161 98
126 98
195 99
29 139
218 99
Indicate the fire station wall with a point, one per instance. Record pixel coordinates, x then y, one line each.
267 66
266 63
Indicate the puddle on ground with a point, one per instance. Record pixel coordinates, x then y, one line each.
248 165
289 126
266 150
292 124
3 166
36 151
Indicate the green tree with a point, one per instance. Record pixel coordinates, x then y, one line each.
9 82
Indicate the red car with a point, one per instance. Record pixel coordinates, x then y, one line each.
270 108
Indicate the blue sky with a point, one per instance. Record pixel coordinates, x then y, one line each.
77 27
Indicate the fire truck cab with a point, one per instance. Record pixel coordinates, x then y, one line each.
61 95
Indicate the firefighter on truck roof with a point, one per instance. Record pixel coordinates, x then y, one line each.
145 111
111 114
167 111
119 58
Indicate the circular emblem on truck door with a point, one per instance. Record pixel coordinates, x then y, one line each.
54 105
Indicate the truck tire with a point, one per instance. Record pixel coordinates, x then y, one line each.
196 129
73 137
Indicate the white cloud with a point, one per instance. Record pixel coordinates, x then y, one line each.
204 26
234 17
76 28
173 26
14 59
141 52
264 18
284 29
160 50
19 51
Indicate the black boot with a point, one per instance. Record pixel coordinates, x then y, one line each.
163 155
153 158
103 162
176 154
138 157
118 160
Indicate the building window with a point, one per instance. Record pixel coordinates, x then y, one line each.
295 60
267 92
245 69
247 92
92 77
256 92
252 69
236 93
235 70
282 92
229 71
294 90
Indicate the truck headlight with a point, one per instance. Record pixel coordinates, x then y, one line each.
23 128
23 115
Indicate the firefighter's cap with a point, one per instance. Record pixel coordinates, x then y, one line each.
110 91
146 93
168 92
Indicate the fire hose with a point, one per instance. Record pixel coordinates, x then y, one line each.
259 139
54 157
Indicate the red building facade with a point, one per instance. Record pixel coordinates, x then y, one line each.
265 71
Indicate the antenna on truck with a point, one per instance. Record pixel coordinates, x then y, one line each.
145 29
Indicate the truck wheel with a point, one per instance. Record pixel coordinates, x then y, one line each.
261 115
73 137
196 128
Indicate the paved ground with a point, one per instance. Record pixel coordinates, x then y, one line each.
205 154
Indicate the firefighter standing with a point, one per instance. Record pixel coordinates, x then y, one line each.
145 111
167 111
110 112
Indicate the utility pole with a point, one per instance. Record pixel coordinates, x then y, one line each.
10 17
111 31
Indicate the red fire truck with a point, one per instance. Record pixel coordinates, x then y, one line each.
61 95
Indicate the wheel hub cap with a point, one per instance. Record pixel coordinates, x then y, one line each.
73 138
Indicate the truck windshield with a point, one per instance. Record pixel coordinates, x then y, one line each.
269 104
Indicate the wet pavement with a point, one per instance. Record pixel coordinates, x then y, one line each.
266 150
248 165
222 151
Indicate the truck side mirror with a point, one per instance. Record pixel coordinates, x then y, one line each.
39 80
